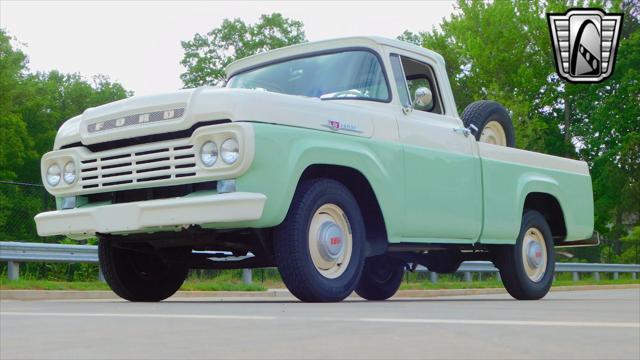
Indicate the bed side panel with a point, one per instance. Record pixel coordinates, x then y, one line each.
509 175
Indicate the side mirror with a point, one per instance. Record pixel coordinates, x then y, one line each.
423 98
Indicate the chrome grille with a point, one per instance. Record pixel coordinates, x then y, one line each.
137 167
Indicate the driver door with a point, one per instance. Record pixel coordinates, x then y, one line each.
442 169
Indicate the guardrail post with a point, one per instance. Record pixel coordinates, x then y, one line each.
246 276
596 276
498 278
616 276
433 277
13 270
576 276
467 276
101 275
633 276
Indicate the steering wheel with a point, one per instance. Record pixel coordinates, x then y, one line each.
343 94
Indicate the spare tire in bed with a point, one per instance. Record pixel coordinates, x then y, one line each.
489 122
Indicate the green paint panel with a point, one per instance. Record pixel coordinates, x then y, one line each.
283 153
443 196
506 186
425 195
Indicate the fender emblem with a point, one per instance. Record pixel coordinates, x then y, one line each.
337 125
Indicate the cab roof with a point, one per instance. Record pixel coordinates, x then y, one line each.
373 42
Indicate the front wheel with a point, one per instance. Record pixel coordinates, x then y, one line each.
527 267
319 248
139 276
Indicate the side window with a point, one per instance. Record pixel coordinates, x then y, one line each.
419 75
399 79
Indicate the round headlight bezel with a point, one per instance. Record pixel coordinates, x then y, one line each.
53 175
69 174
210 149
230 151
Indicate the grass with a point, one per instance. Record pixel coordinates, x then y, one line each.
189 285
21 284
216 285
232 283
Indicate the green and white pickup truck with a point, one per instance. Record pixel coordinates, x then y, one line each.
341 162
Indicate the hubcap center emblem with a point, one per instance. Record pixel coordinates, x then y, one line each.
534 255
330 241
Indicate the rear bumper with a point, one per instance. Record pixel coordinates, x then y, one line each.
138 216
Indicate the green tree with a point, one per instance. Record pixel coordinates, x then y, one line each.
608 128
16 145
498 51
206 56
56 97
32 108
631 251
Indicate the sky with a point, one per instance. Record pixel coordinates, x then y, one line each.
138 43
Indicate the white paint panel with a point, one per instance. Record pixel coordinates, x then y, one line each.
524 157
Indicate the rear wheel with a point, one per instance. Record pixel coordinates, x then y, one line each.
381 278
527 267
319 248
139 276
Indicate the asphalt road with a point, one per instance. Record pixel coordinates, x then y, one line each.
598 324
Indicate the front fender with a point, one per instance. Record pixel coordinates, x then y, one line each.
283 153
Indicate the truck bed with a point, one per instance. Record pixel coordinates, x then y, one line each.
509 175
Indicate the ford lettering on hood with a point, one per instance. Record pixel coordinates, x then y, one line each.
135 119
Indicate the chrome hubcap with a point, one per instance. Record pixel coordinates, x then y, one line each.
493 133
330 241
534 254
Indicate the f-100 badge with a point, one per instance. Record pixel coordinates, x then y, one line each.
585 43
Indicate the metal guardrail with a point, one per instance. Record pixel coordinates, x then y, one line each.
15 253
41 252
469 267
19 252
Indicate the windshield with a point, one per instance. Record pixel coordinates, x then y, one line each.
343 75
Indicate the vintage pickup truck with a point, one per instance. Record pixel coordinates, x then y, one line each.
316 159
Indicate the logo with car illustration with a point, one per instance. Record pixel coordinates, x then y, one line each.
585 42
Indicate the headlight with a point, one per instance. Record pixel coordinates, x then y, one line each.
209 153
69 174
230 151
53 175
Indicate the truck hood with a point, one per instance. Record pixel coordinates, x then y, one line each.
181 110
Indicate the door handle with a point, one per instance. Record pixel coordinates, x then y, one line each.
461 130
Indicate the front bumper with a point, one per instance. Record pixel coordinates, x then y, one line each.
141 215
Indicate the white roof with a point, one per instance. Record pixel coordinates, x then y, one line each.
373 42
